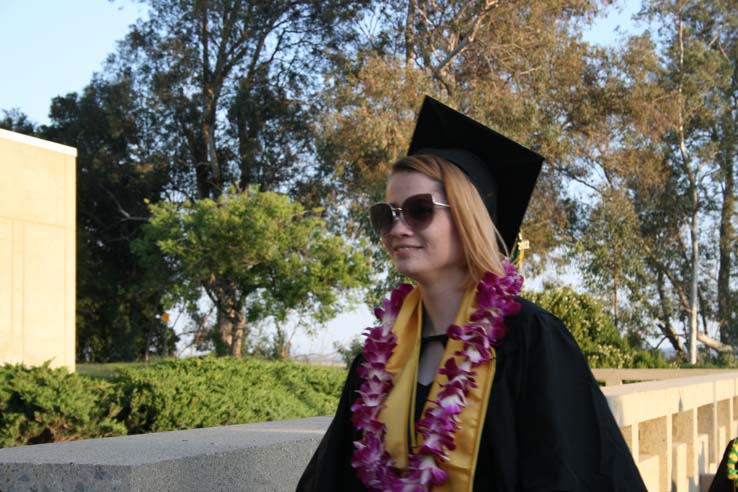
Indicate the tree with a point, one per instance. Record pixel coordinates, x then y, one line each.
202 95
15 120
254 255
224 79
118 305
664 147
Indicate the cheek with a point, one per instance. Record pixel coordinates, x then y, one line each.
460 251
456 247
385 243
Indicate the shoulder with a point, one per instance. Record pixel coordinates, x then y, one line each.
534 325
533 317
529 309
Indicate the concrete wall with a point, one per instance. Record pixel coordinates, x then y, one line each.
676 429
37 251
266 457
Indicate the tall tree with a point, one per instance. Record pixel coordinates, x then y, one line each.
118 305
660 103
15 120
696 74
219 88
719 22
194 61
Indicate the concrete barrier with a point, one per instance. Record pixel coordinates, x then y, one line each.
678 427
266 457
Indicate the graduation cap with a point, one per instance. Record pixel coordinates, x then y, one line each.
503 171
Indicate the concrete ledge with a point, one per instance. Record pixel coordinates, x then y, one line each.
614 377
265 457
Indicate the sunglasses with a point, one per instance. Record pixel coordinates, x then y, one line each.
416 212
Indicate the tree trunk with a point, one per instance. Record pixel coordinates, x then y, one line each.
238 328
726 245
694 202
665 326
615 307
693 299
716 345
410 34
216 184
225 329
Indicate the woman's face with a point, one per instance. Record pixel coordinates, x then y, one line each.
430 256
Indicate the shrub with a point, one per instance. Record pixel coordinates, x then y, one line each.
210 391
41 404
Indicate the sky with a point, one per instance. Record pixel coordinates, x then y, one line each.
53 47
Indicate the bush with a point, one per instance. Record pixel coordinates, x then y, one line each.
210 391
41 405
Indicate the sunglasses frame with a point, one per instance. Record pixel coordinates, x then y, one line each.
398 213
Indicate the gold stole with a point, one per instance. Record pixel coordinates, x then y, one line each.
398 413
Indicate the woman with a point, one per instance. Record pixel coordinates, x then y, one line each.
466 386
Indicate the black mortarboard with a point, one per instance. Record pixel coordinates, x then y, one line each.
504 172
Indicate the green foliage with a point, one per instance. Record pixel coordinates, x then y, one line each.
15 120
593 329
225 84
210 391
118 303
256 255
41 404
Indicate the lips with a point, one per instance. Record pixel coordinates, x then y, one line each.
404 247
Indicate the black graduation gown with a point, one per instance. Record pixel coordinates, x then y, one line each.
721 482
548 427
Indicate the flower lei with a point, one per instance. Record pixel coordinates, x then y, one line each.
373 464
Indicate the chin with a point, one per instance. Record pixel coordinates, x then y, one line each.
408 271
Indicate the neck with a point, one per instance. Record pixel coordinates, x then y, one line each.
440 305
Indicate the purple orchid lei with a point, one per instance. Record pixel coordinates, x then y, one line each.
374 466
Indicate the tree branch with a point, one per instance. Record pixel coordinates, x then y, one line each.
715 345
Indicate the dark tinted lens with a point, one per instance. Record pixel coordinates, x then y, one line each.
418 211
381 217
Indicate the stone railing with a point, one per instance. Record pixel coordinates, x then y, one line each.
614 377
676 424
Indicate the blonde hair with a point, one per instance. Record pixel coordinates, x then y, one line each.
477 232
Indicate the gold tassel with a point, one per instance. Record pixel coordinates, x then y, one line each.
521 246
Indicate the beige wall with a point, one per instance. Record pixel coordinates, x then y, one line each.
37 251
676 426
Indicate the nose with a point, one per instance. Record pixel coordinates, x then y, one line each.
399 226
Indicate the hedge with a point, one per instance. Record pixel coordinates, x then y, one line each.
41 404
210 391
